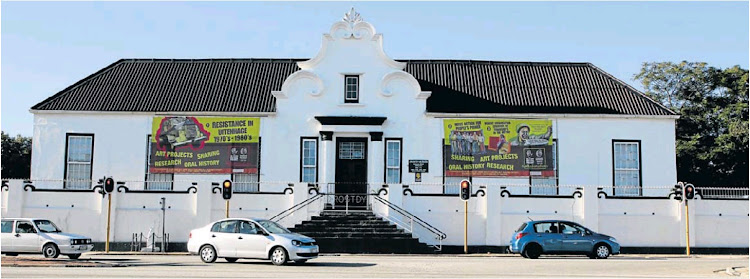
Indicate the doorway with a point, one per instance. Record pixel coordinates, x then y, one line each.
351 173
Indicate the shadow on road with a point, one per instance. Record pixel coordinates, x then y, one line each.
162 264
108 259
307 264
340 264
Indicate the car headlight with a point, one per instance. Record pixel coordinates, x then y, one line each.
72 242
296 243
612 239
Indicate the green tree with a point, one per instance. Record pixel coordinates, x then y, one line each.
16 156
712 131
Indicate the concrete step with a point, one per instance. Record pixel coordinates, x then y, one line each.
316 234
348 229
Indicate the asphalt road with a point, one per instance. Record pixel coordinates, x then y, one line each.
357 266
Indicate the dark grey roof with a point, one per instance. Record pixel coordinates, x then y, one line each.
245 85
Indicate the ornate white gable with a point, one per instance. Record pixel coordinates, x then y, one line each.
352 46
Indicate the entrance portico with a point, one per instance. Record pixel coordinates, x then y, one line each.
351 157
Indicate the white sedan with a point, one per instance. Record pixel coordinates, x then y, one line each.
240 238
35 236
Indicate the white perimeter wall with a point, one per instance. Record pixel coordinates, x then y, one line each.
493 217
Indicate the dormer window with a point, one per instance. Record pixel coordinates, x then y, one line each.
351 89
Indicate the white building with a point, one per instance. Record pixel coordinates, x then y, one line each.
353 117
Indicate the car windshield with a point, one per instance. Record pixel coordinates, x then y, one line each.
272 227
46 226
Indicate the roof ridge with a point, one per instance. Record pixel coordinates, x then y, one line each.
491 62
230 59
638 92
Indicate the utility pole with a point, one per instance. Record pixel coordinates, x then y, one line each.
163 223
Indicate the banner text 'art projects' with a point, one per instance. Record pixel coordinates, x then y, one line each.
184 144
497 147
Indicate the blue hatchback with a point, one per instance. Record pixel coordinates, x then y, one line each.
534 238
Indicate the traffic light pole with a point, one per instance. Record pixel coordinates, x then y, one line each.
109 210
466 226
687 228
227 209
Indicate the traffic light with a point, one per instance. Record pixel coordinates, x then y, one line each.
226 189
109 185
689 191
465 190
677 191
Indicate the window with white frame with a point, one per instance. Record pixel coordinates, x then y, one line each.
245 183
626 167
546 185
351 90
392 161
80 151
309 154
156 181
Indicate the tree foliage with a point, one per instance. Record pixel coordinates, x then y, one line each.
712 131
16 156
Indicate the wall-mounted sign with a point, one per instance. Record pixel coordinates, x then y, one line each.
418 166
497 147
185 144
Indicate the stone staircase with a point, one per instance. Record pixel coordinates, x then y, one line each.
359 232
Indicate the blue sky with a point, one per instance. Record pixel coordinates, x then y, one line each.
47 46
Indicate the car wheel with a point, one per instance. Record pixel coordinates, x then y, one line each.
74 256
231 260
208 254
279 256
591 256
50 251
532 251
601 251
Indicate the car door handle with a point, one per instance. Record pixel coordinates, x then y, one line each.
213 235
239 237
17 235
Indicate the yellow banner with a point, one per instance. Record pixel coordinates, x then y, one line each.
189 129
532 131
497 147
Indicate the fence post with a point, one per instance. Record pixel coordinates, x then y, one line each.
15 198
203 206
590 203
493 213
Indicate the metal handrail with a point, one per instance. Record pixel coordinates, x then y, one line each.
295 208
440 235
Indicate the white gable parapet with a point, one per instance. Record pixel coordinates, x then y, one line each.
351 48
352 28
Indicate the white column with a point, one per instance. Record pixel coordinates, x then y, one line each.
375 165
326 162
